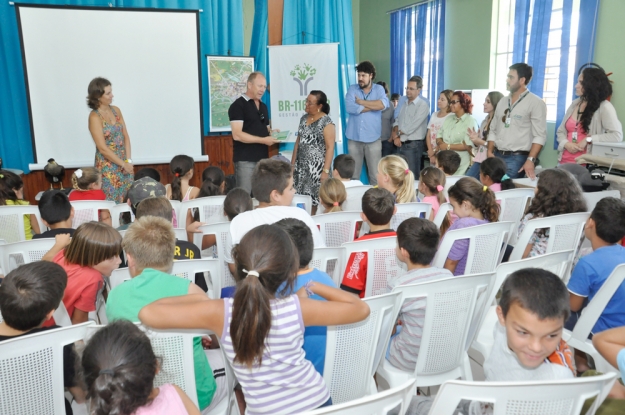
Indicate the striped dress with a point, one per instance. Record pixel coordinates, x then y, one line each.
286 382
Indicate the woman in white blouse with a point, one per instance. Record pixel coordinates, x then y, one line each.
436 122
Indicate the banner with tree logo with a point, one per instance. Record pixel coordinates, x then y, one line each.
295 71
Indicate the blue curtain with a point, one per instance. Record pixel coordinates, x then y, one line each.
565 45
324 21
539 38
221 33
521 21
408 25
259 43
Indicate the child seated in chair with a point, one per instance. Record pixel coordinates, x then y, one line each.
272 186
344 166
150 244
56 213
604 229
378 207
28 296
417 242
448 161
314 336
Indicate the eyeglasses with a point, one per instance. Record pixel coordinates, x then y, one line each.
454 102
310 103
411 89
505 115
262 116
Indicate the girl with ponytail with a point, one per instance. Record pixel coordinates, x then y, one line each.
332 195
474 204
262 330
395 176
432 185
493 174
182 168
119 368
213 182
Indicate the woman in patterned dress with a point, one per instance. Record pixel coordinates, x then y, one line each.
108 130
314 148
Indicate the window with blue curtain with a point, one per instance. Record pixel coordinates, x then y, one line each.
418 47
221 33
555 37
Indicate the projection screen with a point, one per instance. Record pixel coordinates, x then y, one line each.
151 57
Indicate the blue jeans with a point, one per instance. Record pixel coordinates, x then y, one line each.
413 151
388 148
514 164
474 171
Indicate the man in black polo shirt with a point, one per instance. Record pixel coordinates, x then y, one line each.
249 121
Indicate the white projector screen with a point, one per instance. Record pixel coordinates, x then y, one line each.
151 58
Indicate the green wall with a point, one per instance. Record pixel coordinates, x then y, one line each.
248 24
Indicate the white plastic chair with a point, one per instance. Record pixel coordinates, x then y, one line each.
453 307
61 316
562 397
353 203
181 234
486 246
187 268
338 227
442 212
118 210
25 252
32 371
331 261
526 181
87 211
211 209
118 276
513 203
221 231
304 200
565 232
382 263
410 210
12 222
379 404
593 197
352 351
556 262
578 338
450 181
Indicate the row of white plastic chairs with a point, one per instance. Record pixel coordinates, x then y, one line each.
350 361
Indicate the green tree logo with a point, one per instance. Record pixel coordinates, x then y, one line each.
303 75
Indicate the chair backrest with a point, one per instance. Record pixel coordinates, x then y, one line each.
526 181
561 397
302 201
442 212
338 227
353 203
61 316
410 210
454 307
118 276
593 197
450 181
176 350
117 210
221 231
384 402
187 268
87 210
331 261
12 221
181 234
382 263
211 209
565 232
595 307
31 371
351 349
513 203
25 252
486 245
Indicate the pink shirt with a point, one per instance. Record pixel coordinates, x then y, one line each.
495 187
167 402
433 200
572 125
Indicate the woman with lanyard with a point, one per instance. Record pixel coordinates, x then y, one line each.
454 135
591 117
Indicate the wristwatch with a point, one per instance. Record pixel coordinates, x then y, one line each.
326 171
128 161
532 159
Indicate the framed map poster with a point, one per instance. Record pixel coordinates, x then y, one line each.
227 80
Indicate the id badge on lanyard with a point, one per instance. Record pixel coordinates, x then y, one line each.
574 136
507 124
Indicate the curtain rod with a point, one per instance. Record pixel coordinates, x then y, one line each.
409 6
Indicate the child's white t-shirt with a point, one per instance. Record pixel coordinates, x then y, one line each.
352 183
246 221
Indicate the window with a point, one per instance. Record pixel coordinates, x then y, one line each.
503 45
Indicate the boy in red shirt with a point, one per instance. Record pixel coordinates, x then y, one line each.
378 207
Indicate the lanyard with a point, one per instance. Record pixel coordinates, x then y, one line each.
366 96
510 108
579 113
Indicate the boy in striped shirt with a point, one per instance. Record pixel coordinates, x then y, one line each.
417 242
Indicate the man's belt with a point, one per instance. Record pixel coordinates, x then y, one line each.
512 153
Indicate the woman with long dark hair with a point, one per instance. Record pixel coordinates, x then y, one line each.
480 138
591 117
